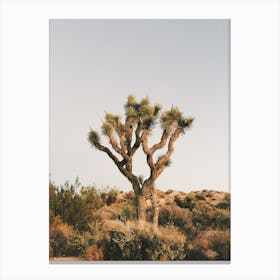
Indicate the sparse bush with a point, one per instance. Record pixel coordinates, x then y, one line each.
109 196
209 245
187 202
131 242
221 219
174 215
94 253
130 196
75 208
112 196
127 212
202 216
225 204
64 240
199 197
196 253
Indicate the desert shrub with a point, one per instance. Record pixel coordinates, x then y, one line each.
128 209
108 212
206 216
196 253
93 253
91 198
201 221
130 241
112 196
100 225
225 204
221 245
209 245
124 213
187 202
176 216
227 197
221 219
63 240
109 196
199 197
78 245
127 212
118 211
74 208
202 216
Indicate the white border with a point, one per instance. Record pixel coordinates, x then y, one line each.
254 138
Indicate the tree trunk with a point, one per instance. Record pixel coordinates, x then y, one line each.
155 205
141 207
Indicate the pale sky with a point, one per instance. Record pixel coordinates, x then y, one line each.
96 64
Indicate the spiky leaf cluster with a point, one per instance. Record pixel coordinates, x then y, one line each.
185 123
142 111
112 123
173 119
93 138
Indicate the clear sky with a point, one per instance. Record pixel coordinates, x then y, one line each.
96 64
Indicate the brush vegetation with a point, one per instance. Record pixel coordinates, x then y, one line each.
91 224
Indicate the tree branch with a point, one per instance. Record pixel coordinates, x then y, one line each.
114 143
127 172
162 142
163 160
137 138
128 130
146 149
118 163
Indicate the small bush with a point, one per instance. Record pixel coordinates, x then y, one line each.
64 240
127 213
199 197
93 253
202 216
187 202
225 204
174 215
209 245
131 242
109 197
221 219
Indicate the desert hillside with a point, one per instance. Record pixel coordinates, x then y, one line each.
93 225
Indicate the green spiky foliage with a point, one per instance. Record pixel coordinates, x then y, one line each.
127 136
141 111
93 137
173 119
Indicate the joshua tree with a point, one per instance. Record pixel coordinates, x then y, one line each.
125 139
